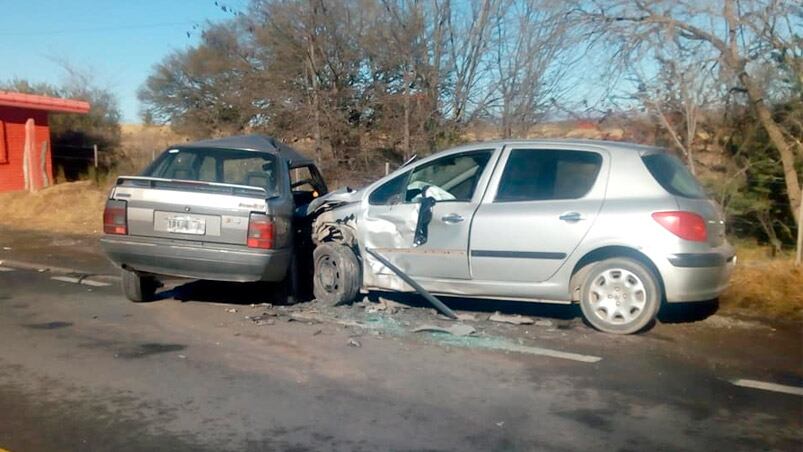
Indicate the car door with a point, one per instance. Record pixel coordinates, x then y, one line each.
538 209
454 181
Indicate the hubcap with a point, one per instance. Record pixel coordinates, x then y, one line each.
328 274
617 296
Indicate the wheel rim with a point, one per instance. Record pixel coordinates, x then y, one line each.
617 296
328 275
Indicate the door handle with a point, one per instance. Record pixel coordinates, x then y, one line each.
452 218
571 217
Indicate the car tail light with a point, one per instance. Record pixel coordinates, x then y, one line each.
686 225
260 231
115 219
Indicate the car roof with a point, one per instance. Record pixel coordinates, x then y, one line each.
257 143
563 142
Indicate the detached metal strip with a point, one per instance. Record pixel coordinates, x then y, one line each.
424 293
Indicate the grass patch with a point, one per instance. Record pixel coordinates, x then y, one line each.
765 286
73 208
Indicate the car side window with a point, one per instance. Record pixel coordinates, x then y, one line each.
451 178
390 192
543 174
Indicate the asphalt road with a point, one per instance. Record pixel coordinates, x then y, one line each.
81 368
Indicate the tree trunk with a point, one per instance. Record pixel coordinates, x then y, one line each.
776 137
406 138
799 248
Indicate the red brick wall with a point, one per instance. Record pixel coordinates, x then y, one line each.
13 121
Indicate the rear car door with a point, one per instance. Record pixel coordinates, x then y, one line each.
537 211
456 181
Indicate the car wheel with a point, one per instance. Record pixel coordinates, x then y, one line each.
337 274
620 296
138 288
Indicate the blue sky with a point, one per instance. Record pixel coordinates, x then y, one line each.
118 40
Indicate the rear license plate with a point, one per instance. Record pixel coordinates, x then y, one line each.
186 225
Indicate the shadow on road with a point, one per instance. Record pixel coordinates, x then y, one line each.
262 292
226 292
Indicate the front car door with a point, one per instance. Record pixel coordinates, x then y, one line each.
536 212
456 181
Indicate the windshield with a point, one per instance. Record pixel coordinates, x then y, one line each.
673 175
223 166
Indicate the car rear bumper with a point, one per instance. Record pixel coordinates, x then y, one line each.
196 260
697 276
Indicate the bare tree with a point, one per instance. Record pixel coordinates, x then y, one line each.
737 33
530 45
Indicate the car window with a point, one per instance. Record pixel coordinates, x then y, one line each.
389 192
217 165
673 175
451 178
543 174
208 169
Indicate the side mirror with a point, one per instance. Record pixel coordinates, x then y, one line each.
424 218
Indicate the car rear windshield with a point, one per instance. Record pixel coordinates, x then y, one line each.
673 175
223 166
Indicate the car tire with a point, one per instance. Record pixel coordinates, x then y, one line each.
138 288
620 296
337 274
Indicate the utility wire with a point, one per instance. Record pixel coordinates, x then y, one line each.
95 29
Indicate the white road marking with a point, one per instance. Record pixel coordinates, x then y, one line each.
69 279
6 269
84 281
549 352
93 283
766 386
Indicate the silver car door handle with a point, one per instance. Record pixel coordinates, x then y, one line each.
571 217
452 218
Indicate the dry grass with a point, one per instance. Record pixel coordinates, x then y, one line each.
142 143
75 207
765 286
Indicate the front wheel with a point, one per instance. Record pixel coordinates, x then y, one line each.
620 296
138 288
337 274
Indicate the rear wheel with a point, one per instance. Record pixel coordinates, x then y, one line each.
138 288
620 296
337 274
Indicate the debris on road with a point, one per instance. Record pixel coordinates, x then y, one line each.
513 319
231 310
455 330
310 317
546 323
354 343
462 316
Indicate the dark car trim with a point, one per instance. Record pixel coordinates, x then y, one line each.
518 254
698 260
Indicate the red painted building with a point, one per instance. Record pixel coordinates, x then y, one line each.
25 151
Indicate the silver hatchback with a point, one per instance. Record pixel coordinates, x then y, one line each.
617 227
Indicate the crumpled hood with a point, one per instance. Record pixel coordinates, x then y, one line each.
334 199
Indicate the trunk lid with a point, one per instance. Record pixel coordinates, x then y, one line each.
189 210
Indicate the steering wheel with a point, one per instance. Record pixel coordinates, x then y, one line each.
302 182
